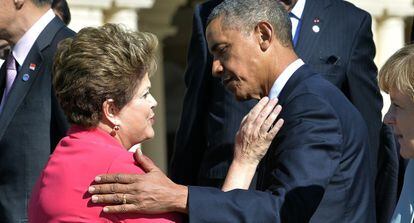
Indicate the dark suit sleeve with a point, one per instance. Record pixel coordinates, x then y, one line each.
208 204
190 138
363 85
301 163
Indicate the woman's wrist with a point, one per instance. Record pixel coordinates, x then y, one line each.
240 175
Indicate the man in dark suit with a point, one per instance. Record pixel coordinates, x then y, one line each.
31 122
317 168
342 50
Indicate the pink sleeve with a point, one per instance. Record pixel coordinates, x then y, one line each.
125 163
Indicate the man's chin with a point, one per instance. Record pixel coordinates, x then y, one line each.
242 97
238 94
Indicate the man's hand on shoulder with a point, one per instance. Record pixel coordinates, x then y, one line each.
149 193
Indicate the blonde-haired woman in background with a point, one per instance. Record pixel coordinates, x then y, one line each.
396 77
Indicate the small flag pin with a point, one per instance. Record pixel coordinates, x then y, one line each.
25 77
32 66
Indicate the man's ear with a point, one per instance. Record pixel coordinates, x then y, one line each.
19 3
264 30
110 111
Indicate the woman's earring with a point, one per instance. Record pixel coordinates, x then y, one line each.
114 130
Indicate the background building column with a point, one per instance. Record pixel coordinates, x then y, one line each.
87 13
158 20
390 37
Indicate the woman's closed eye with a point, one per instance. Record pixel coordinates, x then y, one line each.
145 95
396 105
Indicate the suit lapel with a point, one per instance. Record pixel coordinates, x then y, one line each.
27 74
23 82
313 18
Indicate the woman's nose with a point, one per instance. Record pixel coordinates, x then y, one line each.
389 117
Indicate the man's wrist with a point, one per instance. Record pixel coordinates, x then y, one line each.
181 201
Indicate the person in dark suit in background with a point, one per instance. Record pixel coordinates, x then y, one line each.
317 168
31 121
61 9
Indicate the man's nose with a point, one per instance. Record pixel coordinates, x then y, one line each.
217 68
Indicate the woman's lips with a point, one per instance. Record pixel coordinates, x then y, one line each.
152 119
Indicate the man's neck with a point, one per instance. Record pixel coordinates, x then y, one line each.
28 15
279 65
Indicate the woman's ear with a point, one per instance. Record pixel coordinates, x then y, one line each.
264 30
110 111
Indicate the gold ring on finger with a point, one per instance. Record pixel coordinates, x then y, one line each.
124 201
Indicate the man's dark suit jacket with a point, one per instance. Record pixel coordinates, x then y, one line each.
31 124
317 168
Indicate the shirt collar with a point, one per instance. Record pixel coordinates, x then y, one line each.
298 9
284 77
23 46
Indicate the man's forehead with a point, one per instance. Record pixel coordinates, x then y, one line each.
214 27
214 32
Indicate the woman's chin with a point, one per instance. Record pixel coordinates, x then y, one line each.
150 135
407 152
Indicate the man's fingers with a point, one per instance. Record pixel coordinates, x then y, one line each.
117 198
124 208
109 188
116 178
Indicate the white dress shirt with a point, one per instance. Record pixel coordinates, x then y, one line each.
297 11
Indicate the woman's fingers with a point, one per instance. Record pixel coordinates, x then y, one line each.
270 120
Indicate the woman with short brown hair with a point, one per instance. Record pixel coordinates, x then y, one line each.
101 79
